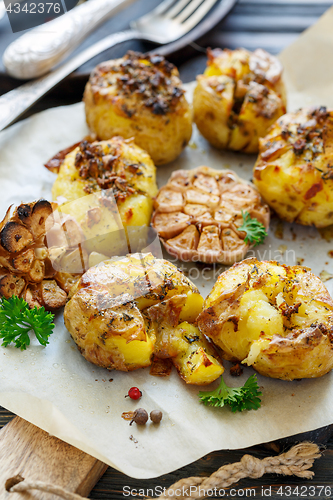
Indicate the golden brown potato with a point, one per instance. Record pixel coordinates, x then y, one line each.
121 180
193 356
123 311
239 96
294 170
196 360
276 318
140 96
198 214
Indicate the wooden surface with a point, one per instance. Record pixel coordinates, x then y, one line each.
272 25
73 465
32 453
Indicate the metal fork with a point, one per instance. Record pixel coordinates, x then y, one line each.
171 20
39 50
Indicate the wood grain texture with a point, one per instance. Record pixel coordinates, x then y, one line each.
35 455
113 484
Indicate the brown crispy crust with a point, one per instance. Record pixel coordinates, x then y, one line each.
238 102
54 163
156 85
315 341
213 229
303 132
161 367
263 66
284 356
306 135
104 171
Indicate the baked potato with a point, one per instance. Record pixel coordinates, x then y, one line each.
276 318
108 187
125 310
239 96
140 96
294 169
25 267
199 212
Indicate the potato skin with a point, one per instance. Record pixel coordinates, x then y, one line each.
276 318
236 100
125 169
106 314
140 96
294 172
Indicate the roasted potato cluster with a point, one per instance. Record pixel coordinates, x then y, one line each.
276 318
125 310
131 312
199 212
294 170
140 96
239 96
25 267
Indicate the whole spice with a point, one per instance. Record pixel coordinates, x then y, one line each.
140 417
156 416
134 393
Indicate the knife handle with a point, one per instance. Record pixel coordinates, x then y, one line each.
17 101
36 52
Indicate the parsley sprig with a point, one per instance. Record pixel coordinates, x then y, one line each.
17 320
238 398
255 230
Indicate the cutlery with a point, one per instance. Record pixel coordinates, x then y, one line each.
2 10
36 52
164 24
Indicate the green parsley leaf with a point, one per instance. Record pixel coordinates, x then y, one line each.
255 230
238 398
17 320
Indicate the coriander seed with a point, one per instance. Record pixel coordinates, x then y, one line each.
156 416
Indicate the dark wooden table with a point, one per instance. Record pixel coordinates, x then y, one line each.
272 25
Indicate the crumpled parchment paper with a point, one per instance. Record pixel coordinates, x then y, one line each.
57 390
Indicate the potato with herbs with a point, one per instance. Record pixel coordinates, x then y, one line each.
140 96
276 318
294 169
123 311
239 96
193 356
121 180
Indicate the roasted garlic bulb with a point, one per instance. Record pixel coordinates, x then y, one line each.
239 96
198 214
25 267
276 318
108 187
294 169
140 96
125 310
